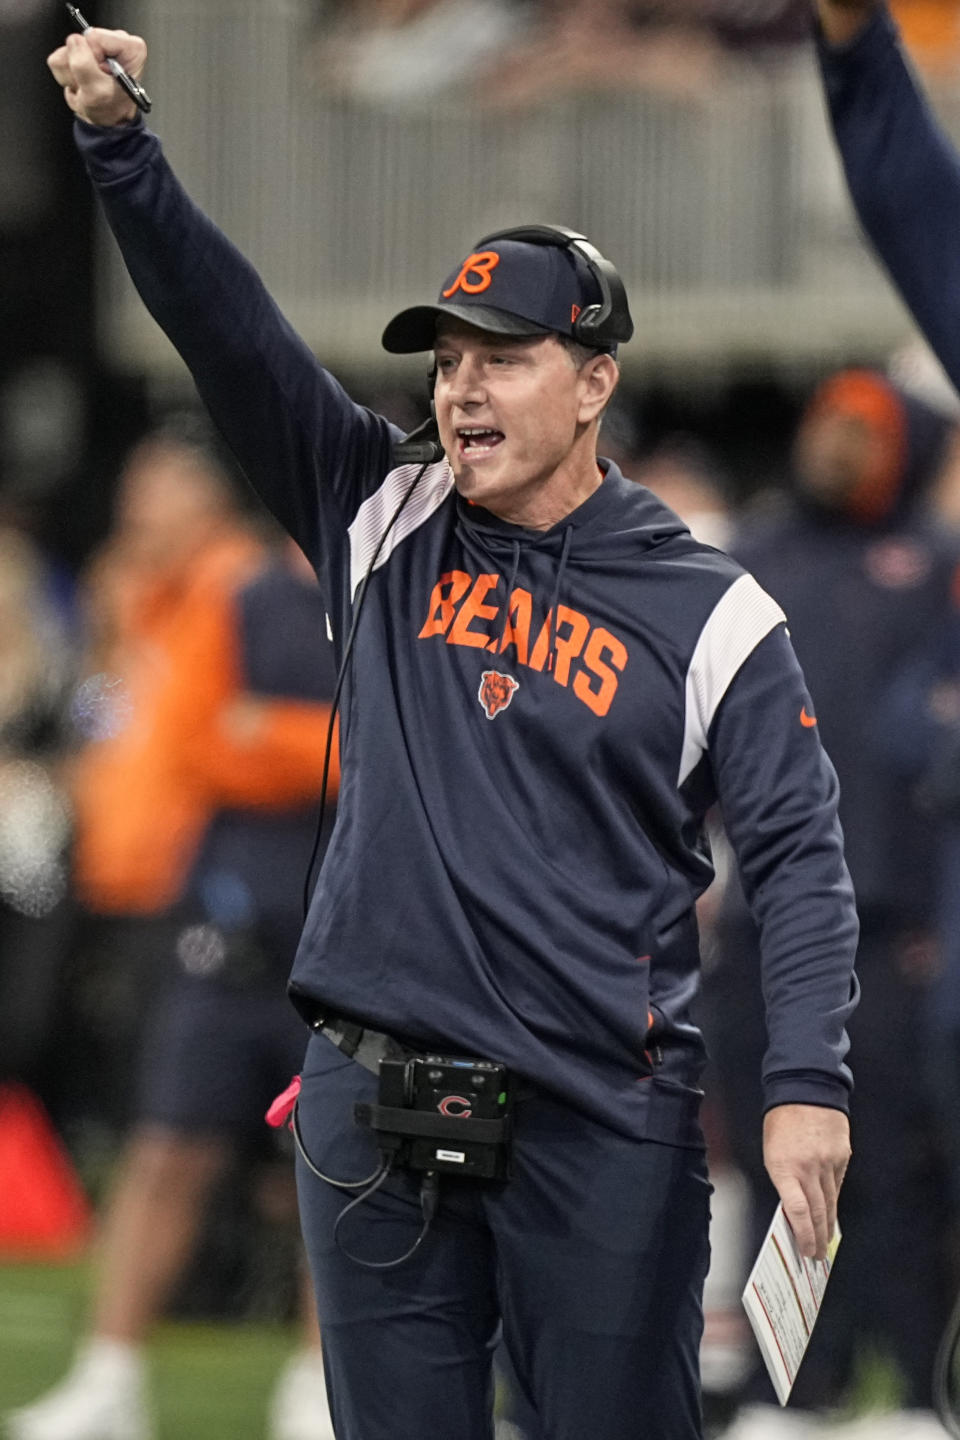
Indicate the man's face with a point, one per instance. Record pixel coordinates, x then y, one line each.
835 453
167 507
510 412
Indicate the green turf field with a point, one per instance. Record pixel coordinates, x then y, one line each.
211 1382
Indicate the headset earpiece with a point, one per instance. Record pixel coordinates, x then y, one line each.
586 325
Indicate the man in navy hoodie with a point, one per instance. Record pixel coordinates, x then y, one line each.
904 179
548 683
865 581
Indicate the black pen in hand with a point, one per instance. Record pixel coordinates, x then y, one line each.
136 92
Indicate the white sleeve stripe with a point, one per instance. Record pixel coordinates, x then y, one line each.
376 512
736 625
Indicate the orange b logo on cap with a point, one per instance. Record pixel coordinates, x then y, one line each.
476 273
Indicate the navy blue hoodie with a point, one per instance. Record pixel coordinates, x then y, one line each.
533 728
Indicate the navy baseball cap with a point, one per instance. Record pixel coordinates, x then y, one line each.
509 287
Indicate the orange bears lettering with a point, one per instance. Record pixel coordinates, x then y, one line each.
601 643
472 609
572 631
587 658
480 266
447 593
517 629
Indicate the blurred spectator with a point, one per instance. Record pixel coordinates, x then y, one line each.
139 812
919 728
206 711
141 803
683 473
593 45
863 582
403 52
35 671
676 47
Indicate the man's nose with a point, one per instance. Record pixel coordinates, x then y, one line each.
466 385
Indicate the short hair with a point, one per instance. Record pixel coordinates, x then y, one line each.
580 353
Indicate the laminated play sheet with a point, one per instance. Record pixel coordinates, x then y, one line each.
782 1299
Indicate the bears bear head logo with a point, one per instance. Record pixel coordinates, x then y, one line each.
496 691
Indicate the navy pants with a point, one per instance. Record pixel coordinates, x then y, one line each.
592 1256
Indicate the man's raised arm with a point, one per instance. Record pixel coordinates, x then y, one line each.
286 419
80 66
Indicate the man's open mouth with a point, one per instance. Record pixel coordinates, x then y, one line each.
476 441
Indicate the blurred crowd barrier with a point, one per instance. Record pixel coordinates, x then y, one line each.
706 175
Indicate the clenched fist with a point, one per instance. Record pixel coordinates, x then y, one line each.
80 66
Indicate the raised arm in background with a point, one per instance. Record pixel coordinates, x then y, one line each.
903 172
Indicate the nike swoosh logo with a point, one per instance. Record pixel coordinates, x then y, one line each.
808 721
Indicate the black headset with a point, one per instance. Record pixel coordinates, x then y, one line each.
599 326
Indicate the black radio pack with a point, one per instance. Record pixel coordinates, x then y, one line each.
449 1116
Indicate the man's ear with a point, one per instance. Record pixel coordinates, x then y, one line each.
600 377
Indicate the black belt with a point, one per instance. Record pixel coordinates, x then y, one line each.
368 1047
358 1042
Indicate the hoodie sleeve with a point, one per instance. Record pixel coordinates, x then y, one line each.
904 177
309 451
778 794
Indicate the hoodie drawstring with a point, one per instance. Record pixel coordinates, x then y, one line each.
473 542
555 598
514 568
478 551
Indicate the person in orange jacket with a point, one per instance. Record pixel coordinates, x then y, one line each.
195 805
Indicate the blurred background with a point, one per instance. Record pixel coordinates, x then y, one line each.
351 147
354 149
